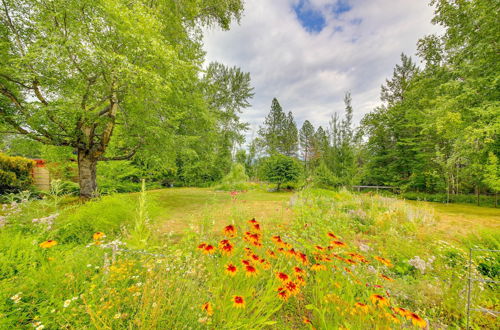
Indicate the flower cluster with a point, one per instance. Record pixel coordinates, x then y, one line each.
290 281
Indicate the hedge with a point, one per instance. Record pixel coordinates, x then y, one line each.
15 173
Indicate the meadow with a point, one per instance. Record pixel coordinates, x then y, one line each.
193 258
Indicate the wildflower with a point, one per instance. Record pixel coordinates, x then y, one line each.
238 301
230 231
303 258
318 247
379 300
207 307
227 249
251 270
417 320
271 254
224 242
332 235
282 276
401 311
292 287
16 298
347 270
255 257
386 278
98 235
338 243
202 246
318 267
67 303
350 261
253 221
209 249
300 280
256 227
283 294
386 262
392 317
298 270
305 320
361 306
48 244
246 262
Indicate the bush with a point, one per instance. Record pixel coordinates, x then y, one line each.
280 169
324 178
235 180
15 173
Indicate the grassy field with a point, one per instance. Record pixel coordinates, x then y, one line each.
316 258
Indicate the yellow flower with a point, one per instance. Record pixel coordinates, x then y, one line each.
97 236
48 244
207 307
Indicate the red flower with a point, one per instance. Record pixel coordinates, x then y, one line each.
230 231
238 301
231 269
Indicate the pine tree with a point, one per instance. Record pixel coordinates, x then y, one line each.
290 137
271 133
306 138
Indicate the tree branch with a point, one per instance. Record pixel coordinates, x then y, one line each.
124 157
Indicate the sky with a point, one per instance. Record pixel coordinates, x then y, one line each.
309 53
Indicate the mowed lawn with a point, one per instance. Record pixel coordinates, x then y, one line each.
178 209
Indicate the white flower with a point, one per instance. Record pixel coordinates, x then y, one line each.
89 265
66 303
16 298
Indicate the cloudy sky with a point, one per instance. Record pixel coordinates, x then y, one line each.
308 53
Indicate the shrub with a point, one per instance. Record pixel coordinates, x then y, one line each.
324 178
235 180
15 173
280 169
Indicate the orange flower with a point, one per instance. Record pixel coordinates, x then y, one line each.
298 270
305 320
231 269
282 276
417 320
318 247
230 231
246 262
227 249
251 270
224 242
292 287
271 254
361 306
401 311
265 264
300 280
255 257
392 317
256 227
283 294
303 258
386 262
238 302
97 236
386 278
209 249
337 243
48 244
318 267
379 300
350 261
332 235
253 221
207 307
202 246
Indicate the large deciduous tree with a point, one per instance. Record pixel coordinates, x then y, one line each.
77 72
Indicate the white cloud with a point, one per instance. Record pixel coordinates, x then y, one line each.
309 73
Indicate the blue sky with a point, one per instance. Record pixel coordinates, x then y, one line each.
308 53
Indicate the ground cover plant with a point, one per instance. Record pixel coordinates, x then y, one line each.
316 258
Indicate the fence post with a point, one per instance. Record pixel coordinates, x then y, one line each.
469 288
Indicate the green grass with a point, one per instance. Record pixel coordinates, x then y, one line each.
76 284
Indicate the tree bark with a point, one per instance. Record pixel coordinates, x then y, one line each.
87 173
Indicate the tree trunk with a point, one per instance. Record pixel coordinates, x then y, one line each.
87 173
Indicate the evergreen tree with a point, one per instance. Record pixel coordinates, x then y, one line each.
306 137
271 133
289 145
